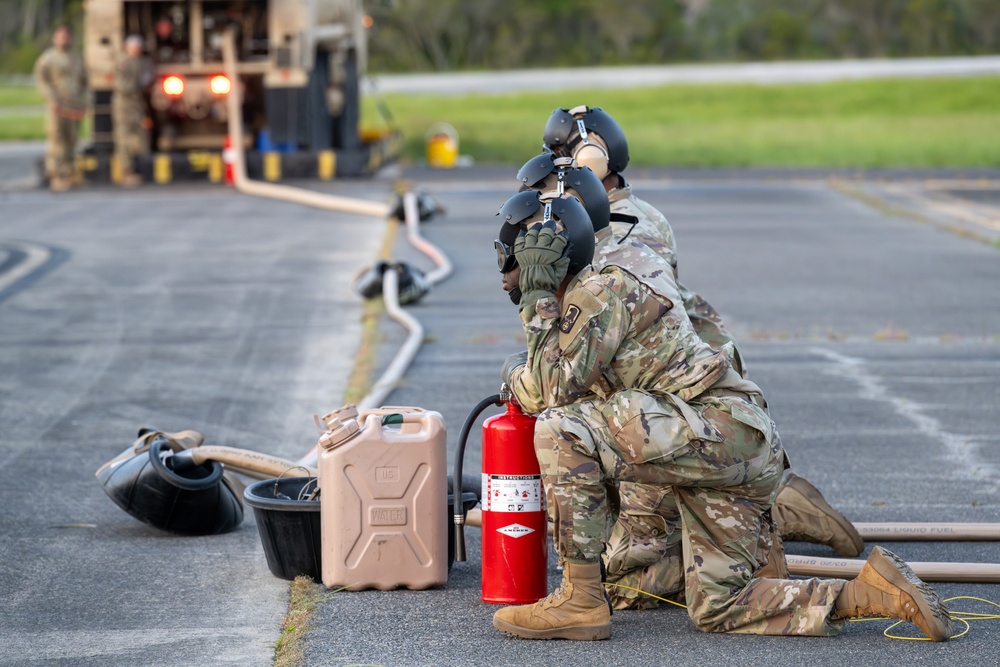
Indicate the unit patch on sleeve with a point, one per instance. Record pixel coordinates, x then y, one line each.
569 319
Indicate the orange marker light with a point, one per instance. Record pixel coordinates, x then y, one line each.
173 86
220 85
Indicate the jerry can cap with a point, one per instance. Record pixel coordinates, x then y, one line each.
344 413
338 433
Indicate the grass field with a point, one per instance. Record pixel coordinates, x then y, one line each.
19 96
883 123
906 122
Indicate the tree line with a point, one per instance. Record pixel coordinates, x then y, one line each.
441 35
26 28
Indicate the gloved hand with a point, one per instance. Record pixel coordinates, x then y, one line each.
512 362
539 253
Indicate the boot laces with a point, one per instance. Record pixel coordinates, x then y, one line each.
555 595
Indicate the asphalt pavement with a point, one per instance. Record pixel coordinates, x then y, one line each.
874 332
188 307
875 337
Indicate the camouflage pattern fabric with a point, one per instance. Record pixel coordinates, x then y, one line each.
636 565
62 79
653 230
644 549
614 334
643 553
129 111
631 394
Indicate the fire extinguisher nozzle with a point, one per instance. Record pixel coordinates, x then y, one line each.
459 540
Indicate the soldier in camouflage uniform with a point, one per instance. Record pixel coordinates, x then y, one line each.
644 549
625 390
133 76
62 80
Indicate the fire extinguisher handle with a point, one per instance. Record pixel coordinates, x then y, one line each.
458 510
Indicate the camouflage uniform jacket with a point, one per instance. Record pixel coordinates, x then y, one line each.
653 229
134 75
616 328
62 78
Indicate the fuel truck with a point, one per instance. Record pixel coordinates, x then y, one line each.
298 69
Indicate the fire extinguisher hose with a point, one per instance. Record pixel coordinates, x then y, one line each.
458 536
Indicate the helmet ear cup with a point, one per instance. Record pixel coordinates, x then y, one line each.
594 156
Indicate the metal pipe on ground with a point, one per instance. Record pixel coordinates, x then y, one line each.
813 566
888 532
929 532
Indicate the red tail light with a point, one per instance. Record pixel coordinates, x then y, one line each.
173 86
220 85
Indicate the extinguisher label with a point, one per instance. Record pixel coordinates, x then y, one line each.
515 530
512 493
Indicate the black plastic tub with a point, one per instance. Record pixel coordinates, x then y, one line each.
289 528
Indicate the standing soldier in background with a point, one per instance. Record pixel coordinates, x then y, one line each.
134 75
62 80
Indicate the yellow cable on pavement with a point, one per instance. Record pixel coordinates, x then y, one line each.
963 617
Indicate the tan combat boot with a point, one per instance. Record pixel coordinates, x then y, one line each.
887 587
803 515
59 184
575 610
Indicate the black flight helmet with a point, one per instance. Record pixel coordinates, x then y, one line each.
546 172
529 207
568 133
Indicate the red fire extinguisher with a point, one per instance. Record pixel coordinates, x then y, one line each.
515 526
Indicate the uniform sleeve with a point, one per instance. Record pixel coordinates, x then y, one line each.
568 351
42 81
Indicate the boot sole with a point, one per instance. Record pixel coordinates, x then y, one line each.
577 632
804 488
894 570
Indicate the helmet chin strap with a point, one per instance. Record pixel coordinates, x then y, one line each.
515 296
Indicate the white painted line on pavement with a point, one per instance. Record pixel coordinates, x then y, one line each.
35 257
960 450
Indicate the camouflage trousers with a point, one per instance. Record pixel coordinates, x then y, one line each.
711 467
60 147
131 137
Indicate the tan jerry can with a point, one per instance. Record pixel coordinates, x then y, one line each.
383 500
